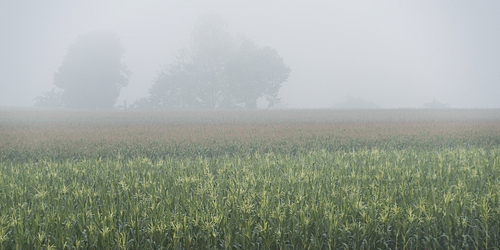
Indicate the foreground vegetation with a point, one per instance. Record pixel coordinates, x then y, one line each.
367 199
296 181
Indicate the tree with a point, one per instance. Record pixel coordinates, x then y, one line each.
219 71
435 104
256 72
49 99
92 73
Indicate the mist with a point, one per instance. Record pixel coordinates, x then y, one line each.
393 54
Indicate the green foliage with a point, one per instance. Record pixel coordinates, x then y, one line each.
61 135
369 199
251 180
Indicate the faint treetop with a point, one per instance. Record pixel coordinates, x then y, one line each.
436 105
355 103
92 73
49 99
218 71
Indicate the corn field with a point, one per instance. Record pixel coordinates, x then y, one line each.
389 190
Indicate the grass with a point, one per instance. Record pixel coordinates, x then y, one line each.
253 180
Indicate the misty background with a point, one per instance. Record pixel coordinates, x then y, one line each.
393 54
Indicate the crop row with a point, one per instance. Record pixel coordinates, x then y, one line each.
55 140
366 199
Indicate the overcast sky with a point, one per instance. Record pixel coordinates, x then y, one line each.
397 54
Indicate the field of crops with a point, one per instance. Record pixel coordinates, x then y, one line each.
303 179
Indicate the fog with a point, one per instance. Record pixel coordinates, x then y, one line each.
394 54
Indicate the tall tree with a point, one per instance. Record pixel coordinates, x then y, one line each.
219 71
212 46
92 73
256 72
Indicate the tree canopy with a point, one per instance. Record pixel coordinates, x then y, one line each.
92 73
218 71
435 104
49 99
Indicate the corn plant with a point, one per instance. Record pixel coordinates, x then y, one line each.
367 199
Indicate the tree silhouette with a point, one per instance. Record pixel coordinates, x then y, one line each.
92 73
49 99
255 72
218 72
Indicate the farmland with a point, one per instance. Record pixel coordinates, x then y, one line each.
297 179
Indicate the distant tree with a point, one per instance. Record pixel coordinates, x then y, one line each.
181 87
356 103
255 72
219 71
92 73
212 46
49 99
435 104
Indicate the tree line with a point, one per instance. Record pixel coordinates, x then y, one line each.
217 71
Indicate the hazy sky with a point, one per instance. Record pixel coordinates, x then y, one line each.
396 54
